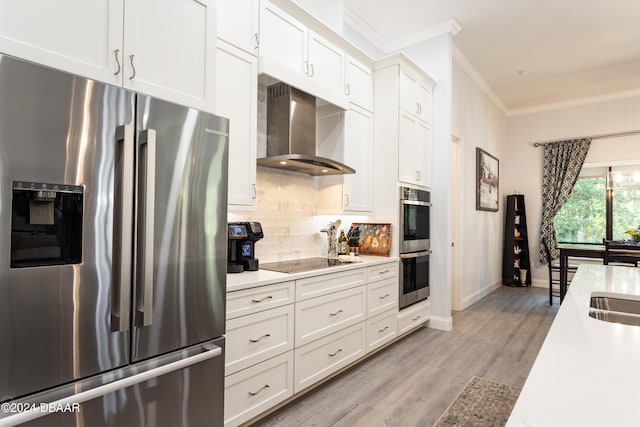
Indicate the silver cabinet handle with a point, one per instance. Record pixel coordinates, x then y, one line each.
419 175
417 108
255 393
348 89
336 352
254 193
257 301
260 339
133 67
146 203
384 296
257 44
116 52
384 271
383 329
336 313
416 318
312 71
210 351
346 200
122 230
306 67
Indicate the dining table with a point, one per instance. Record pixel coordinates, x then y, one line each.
577 250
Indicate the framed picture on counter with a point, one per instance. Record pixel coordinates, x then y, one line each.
487 178
375 239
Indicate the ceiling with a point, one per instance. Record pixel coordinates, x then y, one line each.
571 50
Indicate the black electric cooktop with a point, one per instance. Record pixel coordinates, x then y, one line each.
299 265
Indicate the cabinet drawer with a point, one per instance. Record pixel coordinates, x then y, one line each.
252 339
258 388
380 272
327 355
413 316
382 296
249 301
321 285
318 317
381 329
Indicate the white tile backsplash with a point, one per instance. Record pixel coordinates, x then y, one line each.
288 205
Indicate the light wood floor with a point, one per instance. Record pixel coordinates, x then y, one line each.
413 382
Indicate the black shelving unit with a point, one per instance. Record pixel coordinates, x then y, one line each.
516 257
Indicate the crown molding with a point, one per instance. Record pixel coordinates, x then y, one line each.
357 24
473 74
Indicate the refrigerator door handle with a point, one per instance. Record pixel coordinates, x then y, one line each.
122 229
210 351
147 185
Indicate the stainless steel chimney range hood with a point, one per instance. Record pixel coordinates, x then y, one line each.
291 134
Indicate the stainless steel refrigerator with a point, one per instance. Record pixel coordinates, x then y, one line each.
112 255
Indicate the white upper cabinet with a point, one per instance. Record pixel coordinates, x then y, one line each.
237 99
169 50
359 84
238 23
295 54
415 96
70 35
358 153
163 48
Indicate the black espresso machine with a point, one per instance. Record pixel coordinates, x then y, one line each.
241 250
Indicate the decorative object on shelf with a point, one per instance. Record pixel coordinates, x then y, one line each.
487 174
516 264
374 238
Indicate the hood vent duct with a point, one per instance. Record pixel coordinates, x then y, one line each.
291 134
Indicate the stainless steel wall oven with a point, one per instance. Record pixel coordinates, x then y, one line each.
415 245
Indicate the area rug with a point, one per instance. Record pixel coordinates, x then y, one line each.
482 403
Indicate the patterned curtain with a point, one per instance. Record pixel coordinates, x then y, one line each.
562 163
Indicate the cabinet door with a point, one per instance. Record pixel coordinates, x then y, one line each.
359 84
282 38
358 153
424 100
408 98
238 23
423 139
326 62
236 99
169 50
76 36
408 150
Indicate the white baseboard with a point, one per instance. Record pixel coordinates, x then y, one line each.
441 323
479 294
539 283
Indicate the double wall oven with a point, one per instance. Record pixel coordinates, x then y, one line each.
415 245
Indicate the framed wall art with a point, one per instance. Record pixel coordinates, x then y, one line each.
487 178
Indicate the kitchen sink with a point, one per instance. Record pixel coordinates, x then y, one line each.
615 309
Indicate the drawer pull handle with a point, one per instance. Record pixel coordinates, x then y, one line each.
384 271
336 313
384 296
337 351
256 301
260 339
416 318
383 329
264 387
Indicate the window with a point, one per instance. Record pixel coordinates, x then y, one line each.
605 202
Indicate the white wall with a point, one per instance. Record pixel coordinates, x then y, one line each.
435 58
477 122
522 163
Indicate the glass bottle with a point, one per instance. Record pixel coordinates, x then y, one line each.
342 244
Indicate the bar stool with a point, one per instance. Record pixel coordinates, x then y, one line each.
554 272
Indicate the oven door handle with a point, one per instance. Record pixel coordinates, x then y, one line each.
416 254
414 202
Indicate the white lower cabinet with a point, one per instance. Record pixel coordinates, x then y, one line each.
327 355
382 296
256 337
321 316
252 391
381 329
413 316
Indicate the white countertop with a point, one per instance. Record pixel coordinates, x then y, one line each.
250 279
588 371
